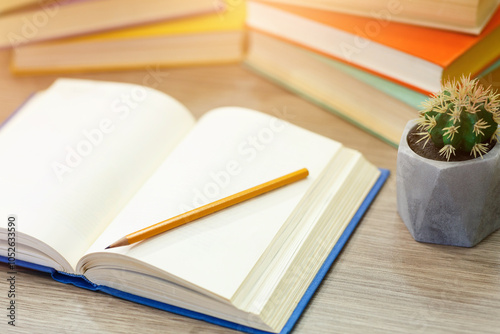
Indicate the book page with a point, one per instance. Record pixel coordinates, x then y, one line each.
229 150
75 154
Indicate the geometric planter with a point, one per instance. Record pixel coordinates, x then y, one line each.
448 203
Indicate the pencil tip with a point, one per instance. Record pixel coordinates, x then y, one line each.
119 243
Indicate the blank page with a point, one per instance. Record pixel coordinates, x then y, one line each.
75 154
229 150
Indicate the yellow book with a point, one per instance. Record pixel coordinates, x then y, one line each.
203 39
50 20
229 19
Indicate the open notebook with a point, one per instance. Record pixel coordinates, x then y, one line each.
90 162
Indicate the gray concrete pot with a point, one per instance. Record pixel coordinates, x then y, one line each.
448 203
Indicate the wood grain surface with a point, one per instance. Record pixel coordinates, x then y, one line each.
382 282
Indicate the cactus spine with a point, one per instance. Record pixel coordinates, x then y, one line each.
463 116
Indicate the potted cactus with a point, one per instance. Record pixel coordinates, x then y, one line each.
448 170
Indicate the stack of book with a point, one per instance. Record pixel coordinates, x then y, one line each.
372 62
70 36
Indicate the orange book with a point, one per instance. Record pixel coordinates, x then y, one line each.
417 57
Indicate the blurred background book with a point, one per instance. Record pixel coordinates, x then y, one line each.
377 105
469 16
215 37
53 19
12 5
371 62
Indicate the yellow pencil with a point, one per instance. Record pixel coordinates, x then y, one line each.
207 209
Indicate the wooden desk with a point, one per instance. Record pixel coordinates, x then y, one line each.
383 281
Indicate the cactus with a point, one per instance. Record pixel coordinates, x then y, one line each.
463 116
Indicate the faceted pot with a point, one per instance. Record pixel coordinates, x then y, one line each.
448 203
